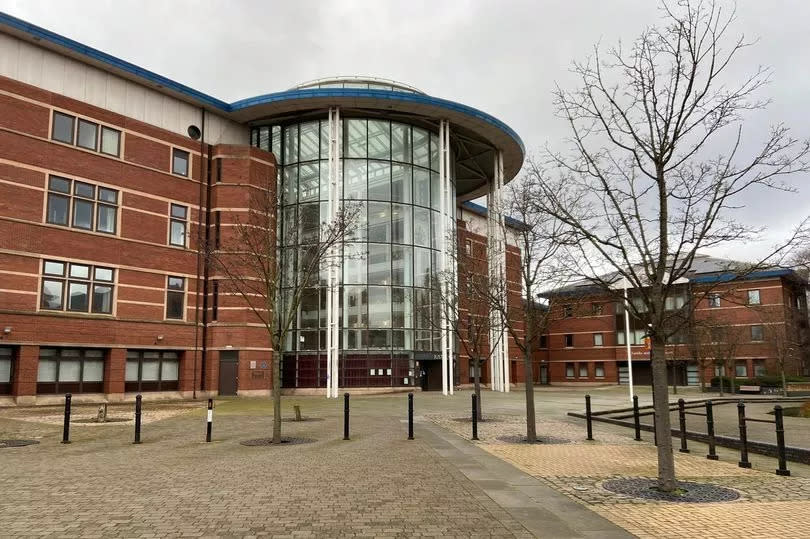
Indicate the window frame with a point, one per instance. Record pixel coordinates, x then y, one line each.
72 198
9 353
175 291
580 367
97 131
714 301
181 221
761 333
81 386
65 280
599 366
140 385
600 337
73 122
568 310
568 337
100 129
570 367
175 153
758 297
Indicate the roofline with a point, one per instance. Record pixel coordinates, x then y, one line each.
484 211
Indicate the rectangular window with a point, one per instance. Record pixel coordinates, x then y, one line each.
583 370
757 333
714 300
597 339
543 341
753 297
6 374
63 126
568 311
468 247
83 206
175 298
215 301
179 162
88 135
569 340
152 370
599 370
177 225
759 367
569 370
84 288
217 226
70 370
740 369
596 309
110 141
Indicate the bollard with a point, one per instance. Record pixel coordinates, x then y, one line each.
743 436
780 441
710 431
410 416
682 423
588 423
137 419
66 426
210 420
345 416
474 416
636 418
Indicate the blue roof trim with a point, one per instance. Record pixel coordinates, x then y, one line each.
725 277
482 210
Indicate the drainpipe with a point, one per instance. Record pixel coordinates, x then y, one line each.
198 272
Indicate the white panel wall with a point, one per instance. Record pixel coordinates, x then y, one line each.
31 64
478 224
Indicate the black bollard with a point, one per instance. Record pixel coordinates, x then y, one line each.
710 431
137 419
588 423
345 416
209 422
780 441
474 416
66 426
682 423
743 436
636 418
410 416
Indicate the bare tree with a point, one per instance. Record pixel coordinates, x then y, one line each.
646 185
272 281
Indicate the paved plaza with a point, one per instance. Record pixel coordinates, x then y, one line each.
378 484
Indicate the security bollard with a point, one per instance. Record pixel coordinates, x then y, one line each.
137 419
743 436
780 441
636 418
588 423
710 431
210 420
66 426
410 416
474 417
682 423
345 416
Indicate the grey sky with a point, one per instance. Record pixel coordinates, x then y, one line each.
502 57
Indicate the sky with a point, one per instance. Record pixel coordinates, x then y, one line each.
503 57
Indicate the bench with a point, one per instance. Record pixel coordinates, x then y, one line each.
749 389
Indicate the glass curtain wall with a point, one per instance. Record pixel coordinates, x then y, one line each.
391 172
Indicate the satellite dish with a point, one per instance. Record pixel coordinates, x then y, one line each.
194 132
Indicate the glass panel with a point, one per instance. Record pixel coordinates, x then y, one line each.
379 222
421 155
103 274
379 307
436 229
59 184
401 225
176 283
422 308
179 211
93 370
355 138
402 265
401 183
310 222
354 263
434 191
277 143
379 264
309 308
421 187
400 142
379 181
77 299
434 151
402 307
308 149
421 226
105 218
108 195
421 267
379 339
62 127
132 371
5 371
178 233
58 209
290 226
102 299
70 370
80 271
170 370
82 214
379 140
359 229
354 179
308 180
87 135
324 139
355 306
150 370
174 305
288 263
291 144
47 370
290 185
180 162
84 190
110 141
52 294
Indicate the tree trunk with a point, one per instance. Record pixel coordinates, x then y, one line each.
702 374
722 375
784 380
663 431
276 397
531 431
477 363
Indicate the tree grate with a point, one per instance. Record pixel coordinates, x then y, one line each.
688 492
521 439
16 443
285 440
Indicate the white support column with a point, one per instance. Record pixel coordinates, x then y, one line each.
504 343
333 277
499 362
448 246
441 274
492 233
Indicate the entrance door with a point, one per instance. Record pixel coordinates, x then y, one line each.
228 372
431 375
544 374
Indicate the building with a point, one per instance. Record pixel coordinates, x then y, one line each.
753 323
113 178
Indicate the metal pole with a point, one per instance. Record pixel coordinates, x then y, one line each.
710 431
410 416
743 436
780 441
210 420
627 339
66 427
137 420
636 418
345 416
474 416
682 422
588 416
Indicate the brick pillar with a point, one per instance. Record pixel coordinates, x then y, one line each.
115 373
187 374
26 366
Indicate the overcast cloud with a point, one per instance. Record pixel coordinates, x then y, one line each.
502 57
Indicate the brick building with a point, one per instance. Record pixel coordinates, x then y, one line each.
113 177
752 323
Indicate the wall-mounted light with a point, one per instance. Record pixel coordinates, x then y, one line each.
160 337
7 330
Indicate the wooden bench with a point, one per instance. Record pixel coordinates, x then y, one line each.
749 389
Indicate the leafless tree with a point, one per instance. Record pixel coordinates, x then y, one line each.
253 266
646 183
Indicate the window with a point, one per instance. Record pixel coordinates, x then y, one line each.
6 357
175 298
468 247
569 370
596 309
569 340
714 300
70 370
740 369
76 287
568 311
543 341
110 141
719 370
753 297
177 225
757 333
716 334
636 337
81 205
599 370
759 367
86 134
215 301
583 370
597 339
179 162
674 302
149 370
63 127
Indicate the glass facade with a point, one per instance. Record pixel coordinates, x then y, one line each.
390 170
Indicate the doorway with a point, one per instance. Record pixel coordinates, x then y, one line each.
543 374
228 372
431 375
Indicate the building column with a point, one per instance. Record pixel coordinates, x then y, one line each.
26 368
333 269
115 369
496 262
